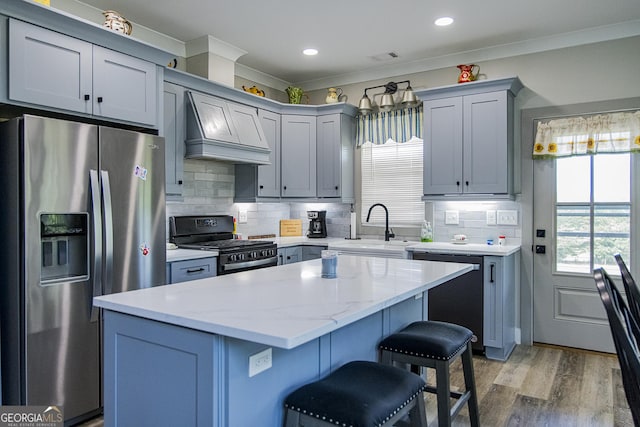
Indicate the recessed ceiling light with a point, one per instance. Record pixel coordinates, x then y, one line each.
444 21
310 51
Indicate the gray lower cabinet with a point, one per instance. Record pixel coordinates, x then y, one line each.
289 255
51 70
312 252
174 133
182 271
298 156
468 138
499 306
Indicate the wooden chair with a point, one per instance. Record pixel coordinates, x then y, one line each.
626 337
630 288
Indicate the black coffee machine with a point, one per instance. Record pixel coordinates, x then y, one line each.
317 223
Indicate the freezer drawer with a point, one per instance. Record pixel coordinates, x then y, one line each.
460 300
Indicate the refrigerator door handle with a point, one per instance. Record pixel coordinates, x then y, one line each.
97 240
108 231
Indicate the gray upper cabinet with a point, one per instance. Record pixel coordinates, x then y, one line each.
253 182
298 155
335 145
468 139
52 70
174 133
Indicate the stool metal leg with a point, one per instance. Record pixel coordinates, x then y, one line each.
470 385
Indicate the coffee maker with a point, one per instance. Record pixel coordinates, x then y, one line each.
317 223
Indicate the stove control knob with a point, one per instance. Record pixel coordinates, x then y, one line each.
240 257
232 257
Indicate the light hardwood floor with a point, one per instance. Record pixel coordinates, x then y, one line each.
539 386
545 386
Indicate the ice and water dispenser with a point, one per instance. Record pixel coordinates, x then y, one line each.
64 241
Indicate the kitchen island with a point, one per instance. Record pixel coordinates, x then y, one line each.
225 351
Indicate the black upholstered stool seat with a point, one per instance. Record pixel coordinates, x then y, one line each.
358 394
435 345
435 340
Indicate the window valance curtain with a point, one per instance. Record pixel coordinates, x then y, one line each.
574 136
397 125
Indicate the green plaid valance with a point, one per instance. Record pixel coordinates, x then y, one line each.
397 125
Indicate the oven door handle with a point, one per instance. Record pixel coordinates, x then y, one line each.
247 264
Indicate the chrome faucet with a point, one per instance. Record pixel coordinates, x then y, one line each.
387 233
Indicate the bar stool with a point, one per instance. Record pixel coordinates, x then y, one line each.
435 345
358 394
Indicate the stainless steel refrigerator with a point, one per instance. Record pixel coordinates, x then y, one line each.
83 214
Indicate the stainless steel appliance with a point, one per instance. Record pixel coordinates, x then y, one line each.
317 223
465 293
83 215
216 233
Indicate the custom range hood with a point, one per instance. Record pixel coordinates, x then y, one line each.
222 130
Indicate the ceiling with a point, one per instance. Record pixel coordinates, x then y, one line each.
357 36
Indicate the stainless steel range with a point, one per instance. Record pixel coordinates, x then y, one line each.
215 232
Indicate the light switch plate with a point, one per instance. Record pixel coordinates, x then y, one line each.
451 218
260 362
242 217
491 217
507 218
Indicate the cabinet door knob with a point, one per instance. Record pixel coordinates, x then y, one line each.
99 99
336 187
87 97
284 188
467 183
457 182
261 187
180 182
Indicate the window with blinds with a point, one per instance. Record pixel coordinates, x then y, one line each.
392 175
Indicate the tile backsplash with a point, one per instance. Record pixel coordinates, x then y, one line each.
472 221
208 190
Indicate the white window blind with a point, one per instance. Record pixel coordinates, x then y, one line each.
392 175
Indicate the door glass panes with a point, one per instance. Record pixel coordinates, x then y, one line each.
593 212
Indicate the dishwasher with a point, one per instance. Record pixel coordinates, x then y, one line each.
461 300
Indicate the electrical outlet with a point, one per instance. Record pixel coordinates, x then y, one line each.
507 218
451 218
259 362
491 217
242 217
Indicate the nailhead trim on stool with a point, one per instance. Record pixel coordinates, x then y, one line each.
435 345
359 394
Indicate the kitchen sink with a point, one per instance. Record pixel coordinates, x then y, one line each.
373 247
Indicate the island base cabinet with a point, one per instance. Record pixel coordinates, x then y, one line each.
166 375
499 306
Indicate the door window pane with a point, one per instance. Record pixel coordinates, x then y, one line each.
573 230
612 232
573 179
612 178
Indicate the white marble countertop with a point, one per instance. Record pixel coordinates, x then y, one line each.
288 305
466 249
174 255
